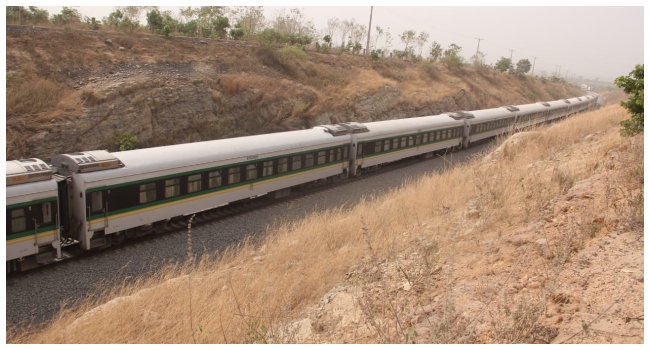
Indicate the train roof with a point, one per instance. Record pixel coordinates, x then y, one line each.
492 113
191 156
26 171
393 127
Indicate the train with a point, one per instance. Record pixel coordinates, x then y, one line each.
94 199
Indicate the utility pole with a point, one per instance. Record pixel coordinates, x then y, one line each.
477 46
567 75
534 59
369 29
511 51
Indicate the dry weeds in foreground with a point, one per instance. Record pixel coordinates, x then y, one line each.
400 257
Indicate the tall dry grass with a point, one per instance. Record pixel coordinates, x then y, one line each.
255 293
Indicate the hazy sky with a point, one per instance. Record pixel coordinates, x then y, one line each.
601 42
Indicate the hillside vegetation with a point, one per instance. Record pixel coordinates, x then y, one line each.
540 240
72 90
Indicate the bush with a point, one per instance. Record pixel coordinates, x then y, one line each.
632 84
126 140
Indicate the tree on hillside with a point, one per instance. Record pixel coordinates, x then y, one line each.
379 35
154 21
435 52
22 15
293 23
523 66
632 84
237 32
220 25
503 64
407 37
451 56
68 15
251 20
420 40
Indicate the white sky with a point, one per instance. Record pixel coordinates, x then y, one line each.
601 42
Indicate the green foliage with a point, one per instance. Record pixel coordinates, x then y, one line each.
126 140
503 64
32 15
291 53
68 15
523 66
436 51
632 84
237 32
167 31
271 36
220 25
154 21
374 54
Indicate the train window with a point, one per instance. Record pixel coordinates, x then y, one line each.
425 138
346 152
96 203
321 157
147 193
282 165
418 139
18 223
214 179
251 171
193 183
395 143
339 151
296 162
47 212
411 141
309 160
377 146
267 168
402 142
386 145
172 188
233 175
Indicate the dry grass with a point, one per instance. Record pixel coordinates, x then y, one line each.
416 235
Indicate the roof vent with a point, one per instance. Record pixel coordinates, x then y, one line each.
85 162
335 130
546 104
19 173
354 127
460 115
511 108
567 101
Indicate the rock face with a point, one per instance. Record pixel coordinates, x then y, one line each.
186 90
166 108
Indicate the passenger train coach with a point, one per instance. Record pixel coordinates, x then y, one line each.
94 199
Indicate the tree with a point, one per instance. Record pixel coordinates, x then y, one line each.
451 56
328 40
154 21
252 20
422 39
407 37
523 66
220 24
503 64
237 32
68 15
632 84
436 51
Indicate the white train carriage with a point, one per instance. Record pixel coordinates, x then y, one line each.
558 109
32 214
578 104
531 114
392 140
128 192
488 123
